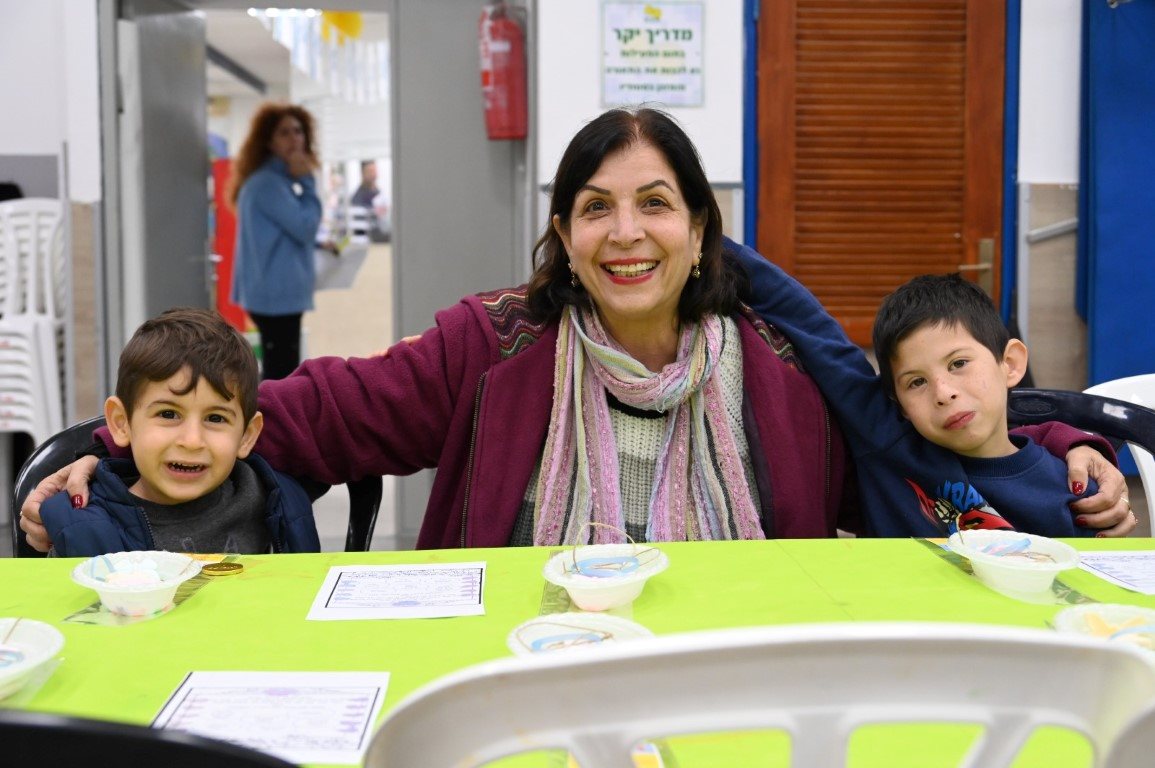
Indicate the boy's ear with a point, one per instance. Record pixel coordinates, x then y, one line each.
252 432
1015 362
116 416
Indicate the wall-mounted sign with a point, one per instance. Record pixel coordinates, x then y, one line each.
652 52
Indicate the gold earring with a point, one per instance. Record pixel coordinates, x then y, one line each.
696 272
573 278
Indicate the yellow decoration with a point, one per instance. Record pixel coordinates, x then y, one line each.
346 24
652 12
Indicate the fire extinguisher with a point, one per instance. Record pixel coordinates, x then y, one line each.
502 47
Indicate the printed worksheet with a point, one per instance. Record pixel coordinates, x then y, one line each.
400 592
1133 570
302 717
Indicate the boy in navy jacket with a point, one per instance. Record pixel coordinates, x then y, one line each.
186 398
926 467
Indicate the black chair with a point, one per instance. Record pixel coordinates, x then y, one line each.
63 447
1117 420
39 740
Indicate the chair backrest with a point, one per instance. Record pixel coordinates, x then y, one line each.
63 447
31 244
52 454
39 740
1135 746
1141 391
1112 417
817 682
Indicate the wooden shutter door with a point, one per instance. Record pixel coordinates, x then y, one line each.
880 145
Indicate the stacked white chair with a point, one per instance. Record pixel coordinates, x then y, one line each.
31 324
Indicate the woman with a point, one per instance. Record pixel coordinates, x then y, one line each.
630 281
278 213
623 386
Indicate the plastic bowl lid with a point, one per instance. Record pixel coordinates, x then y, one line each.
565 631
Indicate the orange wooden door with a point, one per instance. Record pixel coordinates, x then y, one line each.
880 145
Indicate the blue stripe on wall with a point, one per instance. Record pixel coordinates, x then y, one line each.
1117 189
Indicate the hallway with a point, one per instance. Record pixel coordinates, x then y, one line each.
354 322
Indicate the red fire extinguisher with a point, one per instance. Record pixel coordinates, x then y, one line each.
502 47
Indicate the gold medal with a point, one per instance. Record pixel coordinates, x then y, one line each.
222 569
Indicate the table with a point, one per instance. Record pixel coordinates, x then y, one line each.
256 620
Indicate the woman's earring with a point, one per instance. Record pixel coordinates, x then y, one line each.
573 278
696 272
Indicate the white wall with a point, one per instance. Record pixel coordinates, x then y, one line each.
1049 92
49 87
569 84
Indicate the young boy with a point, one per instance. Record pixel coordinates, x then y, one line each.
938 455
186 396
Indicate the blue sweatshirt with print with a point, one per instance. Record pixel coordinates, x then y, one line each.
908 485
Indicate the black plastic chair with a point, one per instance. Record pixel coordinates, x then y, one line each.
64 447
39 740
1117 420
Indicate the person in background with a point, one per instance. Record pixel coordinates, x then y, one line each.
186 402
368 188
278 214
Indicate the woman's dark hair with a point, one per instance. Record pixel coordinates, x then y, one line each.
550 290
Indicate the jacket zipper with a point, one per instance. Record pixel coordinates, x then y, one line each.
472 449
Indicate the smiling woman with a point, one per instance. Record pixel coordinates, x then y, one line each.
674 415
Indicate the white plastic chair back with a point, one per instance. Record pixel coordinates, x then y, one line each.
32 286
818 682
1139 390
1135 747
32 250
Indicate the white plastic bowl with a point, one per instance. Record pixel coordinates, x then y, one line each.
1110 621
136 599
1010 561
600 593
35 643
563 631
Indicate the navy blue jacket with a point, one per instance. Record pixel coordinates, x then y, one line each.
909 486
112 521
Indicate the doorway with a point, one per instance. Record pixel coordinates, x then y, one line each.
880 146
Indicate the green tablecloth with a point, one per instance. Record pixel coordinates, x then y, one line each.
256 620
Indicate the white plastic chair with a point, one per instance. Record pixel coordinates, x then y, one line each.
819 682
1140 390
32 284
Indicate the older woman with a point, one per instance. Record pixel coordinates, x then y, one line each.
623 388
619 387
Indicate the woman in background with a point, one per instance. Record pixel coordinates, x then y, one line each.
278 213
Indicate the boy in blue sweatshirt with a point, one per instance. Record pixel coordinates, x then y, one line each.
938 455
186 399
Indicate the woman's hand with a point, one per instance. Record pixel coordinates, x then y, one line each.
74 479
1109 510
299 163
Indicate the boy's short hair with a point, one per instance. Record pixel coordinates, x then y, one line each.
197 338
933 300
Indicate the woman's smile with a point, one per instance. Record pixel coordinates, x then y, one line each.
630 271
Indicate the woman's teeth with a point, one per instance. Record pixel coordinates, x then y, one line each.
630 270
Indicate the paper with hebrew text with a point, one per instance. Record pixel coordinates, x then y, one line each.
302 717
400 592
1134 570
